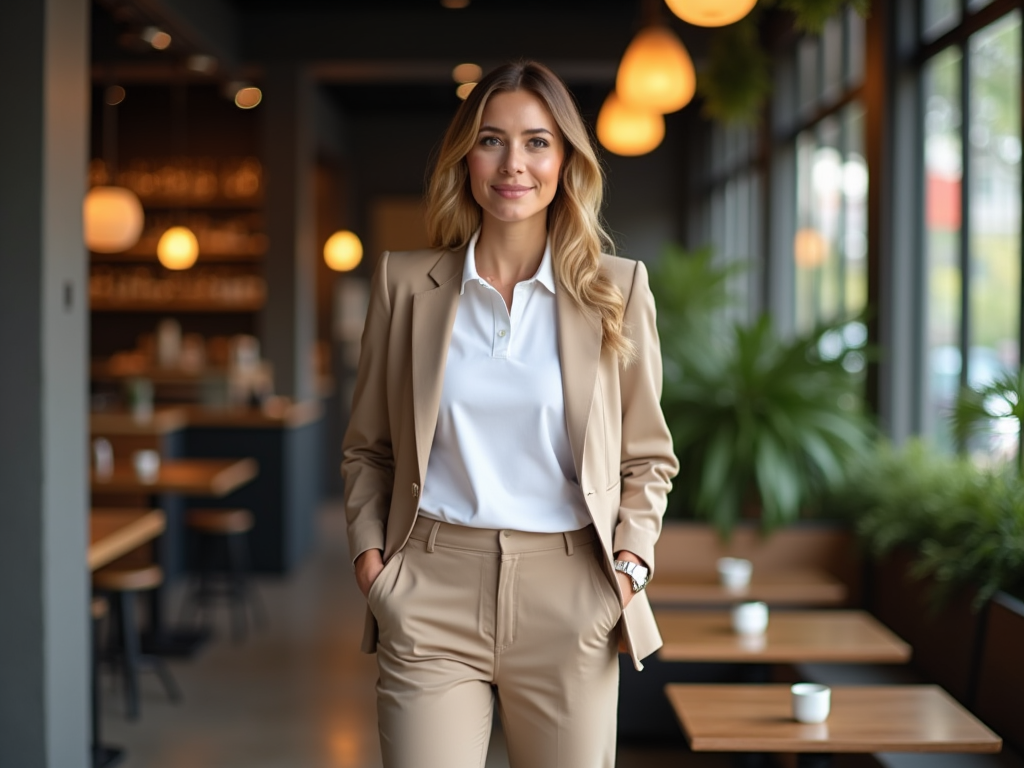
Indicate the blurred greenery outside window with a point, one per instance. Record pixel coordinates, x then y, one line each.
970 106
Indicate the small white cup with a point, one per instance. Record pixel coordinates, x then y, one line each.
750 618
103 457
147 465
734 572
811 702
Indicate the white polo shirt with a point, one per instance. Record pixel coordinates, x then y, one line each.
501 456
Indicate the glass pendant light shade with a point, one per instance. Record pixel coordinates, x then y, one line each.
343 251
178 248
628 131
113 219
656 72
711 13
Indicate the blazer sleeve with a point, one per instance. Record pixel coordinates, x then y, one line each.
368 462
648 462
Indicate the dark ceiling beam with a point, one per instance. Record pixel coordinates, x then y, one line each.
206 26
440 71
433 34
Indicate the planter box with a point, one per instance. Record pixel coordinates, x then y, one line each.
945 640
1000 690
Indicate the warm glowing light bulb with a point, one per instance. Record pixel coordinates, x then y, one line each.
113 219
656 73
464 90
248 97
810 248
467 73
157 38
343 251
628 131
178 248
711 13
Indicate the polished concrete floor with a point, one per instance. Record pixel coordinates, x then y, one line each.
295 695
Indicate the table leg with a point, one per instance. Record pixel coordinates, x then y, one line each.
160 639
814 760
102 755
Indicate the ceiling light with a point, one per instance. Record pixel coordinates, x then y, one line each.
628 131
156 37
656 73
113 219
467 73
177 248
343 251
711 13
464 90
113 95
248 97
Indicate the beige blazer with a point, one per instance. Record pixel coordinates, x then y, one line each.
620 443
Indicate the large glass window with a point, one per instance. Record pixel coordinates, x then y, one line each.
972 215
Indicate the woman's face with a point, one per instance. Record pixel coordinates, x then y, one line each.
514 165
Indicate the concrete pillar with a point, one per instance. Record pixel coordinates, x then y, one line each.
289 317
44 701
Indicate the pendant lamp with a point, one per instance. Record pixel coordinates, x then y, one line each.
112 216
656 72
113 219
711 13
177 248
343 251
626 130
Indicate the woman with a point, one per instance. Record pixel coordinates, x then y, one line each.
507 462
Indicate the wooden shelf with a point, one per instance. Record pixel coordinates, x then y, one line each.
218 203
175 305
205 257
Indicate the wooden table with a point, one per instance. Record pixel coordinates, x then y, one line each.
189 477
792 636
116 532
757 718
803 587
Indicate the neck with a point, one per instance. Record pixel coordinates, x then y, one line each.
510 252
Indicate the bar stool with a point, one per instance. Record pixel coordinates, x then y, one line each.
103 756
231 527
122 585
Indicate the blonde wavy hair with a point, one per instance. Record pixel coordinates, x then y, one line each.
574 216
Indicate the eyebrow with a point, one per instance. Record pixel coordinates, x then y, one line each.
495 129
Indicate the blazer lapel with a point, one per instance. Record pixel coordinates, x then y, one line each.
433 316
579 351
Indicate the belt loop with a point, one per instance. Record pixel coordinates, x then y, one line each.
568 543
433 535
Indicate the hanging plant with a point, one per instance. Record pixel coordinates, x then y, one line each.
737 80
811 15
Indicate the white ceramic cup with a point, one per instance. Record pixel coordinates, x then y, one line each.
811 702
750 618
147 465
103 457
734 572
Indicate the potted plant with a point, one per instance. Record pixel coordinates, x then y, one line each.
757 421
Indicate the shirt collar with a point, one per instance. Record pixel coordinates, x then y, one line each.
545 274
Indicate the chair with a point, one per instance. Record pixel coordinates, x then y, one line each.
226 575
122 585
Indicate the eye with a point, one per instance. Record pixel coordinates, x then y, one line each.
490 141
538 143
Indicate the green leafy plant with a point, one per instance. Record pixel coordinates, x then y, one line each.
811 15
755 419
737 80
979 409
965 524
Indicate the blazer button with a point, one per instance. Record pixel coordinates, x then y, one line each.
415 490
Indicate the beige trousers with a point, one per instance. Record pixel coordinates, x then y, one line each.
467 614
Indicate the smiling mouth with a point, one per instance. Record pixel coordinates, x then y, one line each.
511 191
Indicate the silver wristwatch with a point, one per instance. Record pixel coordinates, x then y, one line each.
636 572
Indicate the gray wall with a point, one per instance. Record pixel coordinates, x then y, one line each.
43 337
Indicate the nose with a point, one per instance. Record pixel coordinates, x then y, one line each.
513 160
